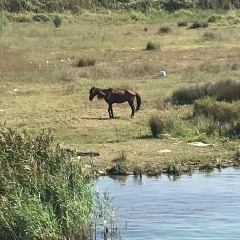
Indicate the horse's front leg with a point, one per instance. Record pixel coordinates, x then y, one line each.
110 111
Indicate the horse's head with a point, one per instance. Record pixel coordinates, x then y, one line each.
93 92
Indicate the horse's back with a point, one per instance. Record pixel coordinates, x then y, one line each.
121 95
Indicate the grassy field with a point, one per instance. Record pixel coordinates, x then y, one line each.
42 88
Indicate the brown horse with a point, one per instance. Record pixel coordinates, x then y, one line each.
112 96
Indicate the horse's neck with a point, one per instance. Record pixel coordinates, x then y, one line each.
104 93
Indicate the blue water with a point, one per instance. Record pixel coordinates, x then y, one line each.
200 206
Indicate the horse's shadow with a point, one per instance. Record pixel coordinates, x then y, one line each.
99 118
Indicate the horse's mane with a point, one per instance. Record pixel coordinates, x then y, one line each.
99 95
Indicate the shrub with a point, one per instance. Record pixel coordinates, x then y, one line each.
40 18
227 90
151 46
85 62
57 21
3 22
219 111
173 169
21 18
156 125
182 23
214 18
209 35
164 29
198 24
120 165
42 188
187 95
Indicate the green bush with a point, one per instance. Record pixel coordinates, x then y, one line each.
165 30
182 23
85 62
151 46
3 22
219 111
120 165
156 126
209 36
57 21
225 90
199 24
21 18
44 194
214 18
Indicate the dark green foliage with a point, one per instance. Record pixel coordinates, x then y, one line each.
85 62
151 46
214 18
218 111
209 36
234 132
21 18
182 23
144 6
40 18
198 24
57 21
164 29
173 169
227 90
120 165
43 193
156 125
187 95
173 5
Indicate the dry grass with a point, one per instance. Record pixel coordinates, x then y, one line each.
37 59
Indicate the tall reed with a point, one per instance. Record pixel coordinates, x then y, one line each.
44 192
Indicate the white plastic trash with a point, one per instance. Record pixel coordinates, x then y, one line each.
162 74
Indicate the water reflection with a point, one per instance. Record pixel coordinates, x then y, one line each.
197 206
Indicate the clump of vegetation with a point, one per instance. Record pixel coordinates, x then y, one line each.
153 170
209 36
199 24
218 111
227 90
182 23
3 22
208 167
137 171
151 46
41 188
156 125
173 169
164 29
57 20
40 18
85 62
120 165
214 18
20 18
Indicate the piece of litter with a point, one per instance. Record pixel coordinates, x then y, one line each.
165 151
199 144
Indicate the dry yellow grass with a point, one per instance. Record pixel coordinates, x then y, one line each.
37 60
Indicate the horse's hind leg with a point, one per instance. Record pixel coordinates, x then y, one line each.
132 107
110 111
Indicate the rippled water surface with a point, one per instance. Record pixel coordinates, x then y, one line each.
200 206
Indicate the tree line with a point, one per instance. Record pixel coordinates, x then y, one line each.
76 6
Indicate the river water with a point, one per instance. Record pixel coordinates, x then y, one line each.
197 206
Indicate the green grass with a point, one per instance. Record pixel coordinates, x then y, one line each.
37 59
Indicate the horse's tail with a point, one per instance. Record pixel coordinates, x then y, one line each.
139 101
